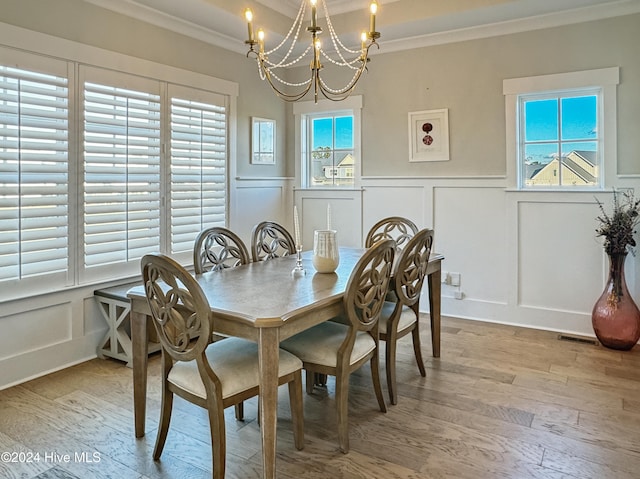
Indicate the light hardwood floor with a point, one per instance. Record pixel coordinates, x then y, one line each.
501 402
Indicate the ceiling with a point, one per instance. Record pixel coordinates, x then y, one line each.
403 24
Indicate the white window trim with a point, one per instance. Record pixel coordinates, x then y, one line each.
352 104
605 78
49 49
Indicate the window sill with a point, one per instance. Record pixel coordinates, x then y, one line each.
557 190
329 188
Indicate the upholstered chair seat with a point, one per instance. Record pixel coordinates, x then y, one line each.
320 344
235 361
406 320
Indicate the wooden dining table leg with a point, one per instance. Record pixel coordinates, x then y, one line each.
139 345
435 297
268 346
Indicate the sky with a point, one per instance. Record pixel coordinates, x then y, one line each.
322 132
577 130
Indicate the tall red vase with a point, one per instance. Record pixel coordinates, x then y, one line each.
615 316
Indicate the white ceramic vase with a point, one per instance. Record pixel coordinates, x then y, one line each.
325 251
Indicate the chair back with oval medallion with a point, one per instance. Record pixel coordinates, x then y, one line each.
271 240
218 248
397 228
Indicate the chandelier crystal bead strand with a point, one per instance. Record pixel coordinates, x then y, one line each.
340 55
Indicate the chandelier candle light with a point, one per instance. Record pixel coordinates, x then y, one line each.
344 57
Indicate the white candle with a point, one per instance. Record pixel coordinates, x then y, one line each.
296 226
374 9
248 14
328 216
313 14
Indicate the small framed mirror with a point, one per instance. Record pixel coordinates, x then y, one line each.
263 141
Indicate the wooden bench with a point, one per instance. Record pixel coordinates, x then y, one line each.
115 307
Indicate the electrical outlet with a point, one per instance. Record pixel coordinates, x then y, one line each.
454 279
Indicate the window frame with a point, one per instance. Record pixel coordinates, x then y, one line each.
303 113
69 58
605 80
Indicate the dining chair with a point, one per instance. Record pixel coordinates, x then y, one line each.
218 248
270 240
213 375
338 349
396 228
402 316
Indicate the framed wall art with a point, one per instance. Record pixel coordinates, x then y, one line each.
263 141
429 135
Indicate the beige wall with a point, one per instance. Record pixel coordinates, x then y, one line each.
467 77
86 23
464 77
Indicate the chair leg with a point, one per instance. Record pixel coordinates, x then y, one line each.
320 379
239 411
310 378
165 419
417 350
342 404
297 414
434 290
390 366
218 441
375 376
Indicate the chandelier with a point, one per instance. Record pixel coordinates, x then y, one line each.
288 55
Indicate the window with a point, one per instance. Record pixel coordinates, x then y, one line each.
198 166
141 167
329 143
121 172
559 139
331 147
34 176
558 129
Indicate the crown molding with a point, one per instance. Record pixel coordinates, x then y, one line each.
537 22
175 24
336 7
219 21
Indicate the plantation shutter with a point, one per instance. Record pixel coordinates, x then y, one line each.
121 171
198 165
34 174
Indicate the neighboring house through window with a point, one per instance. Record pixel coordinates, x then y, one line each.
561 129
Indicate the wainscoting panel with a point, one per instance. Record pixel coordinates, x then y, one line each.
47 333
259 200
524 258
35 329
394 199
556 249
470 230
346 209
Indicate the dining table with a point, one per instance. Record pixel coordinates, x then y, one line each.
264 302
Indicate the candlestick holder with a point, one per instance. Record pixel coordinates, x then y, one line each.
298 270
